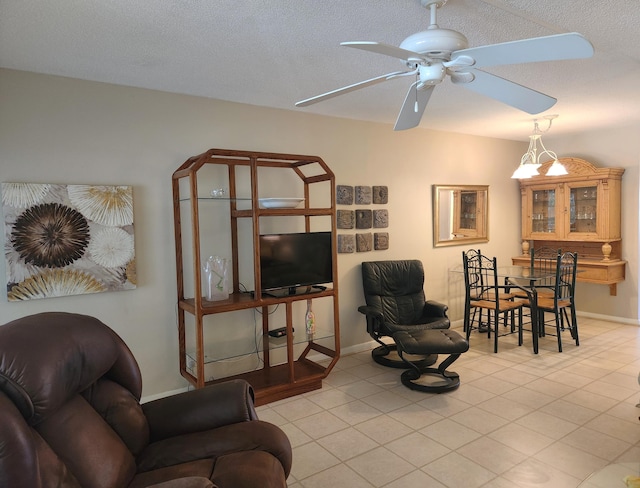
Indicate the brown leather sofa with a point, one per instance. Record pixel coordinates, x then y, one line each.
70 417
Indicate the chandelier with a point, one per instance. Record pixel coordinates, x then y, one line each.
530 161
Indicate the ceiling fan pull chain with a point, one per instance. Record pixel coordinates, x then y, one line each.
415 105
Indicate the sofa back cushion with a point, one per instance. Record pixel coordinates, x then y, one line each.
122 411
88 446
74 389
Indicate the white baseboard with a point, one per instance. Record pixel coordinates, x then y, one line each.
164 394
609 318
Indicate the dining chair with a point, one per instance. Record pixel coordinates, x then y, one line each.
561 303
474 318
544 259
484 292
469 320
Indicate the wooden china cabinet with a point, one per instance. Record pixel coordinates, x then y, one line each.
468 217
577 212
218 202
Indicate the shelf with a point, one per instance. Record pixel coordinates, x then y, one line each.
240 301
276 367
321 335
263 212
275 383
218 199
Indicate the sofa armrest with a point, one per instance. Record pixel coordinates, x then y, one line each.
374 319
202 409
435 309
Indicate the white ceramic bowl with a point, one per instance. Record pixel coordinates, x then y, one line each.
280 202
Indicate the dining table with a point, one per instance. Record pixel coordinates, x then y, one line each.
528 280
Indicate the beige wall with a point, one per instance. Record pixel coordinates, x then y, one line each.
59 130
615 147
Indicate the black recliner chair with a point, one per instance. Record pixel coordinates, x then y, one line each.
394 293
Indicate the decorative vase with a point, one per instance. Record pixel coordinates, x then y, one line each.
310 321
216 271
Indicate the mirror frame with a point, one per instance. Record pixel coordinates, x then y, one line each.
483 209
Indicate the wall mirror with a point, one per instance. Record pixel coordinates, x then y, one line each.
460 214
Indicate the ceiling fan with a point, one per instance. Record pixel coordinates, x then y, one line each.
435 53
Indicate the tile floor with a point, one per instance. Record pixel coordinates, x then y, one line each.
517 419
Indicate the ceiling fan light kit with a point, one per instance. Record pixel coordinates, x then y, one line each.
433 54
530 161
557 169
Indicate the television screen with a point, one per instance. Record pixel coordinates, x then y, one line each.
291 260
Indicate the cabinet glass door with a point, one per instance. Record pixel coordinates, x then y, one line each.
544 211
583 209
468 209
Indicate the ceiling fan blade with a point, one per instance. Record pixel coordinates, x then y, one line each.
413 107
347 89
549 48
505 91
386 49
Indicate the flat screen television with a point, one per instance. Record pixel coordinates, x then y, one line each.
288 261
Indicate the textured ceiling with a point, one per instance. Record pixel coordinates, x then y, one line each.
276 52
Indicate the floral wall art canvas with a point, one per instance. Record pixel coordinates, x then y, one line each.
67 239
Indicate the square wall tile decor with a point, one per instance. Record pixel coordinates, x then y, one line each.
367 215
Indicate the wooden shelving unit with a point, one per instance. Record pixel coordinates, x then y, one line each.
299 373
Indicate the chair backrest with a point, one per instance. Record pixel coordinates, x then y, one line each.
566 272
545 259
471 280
481 278
69 397
395 289
471 254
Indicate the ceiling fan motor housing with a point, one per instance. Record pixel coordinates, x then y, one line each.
431 75
435 43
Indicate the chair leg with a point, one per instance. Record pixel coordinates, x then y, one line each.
541 325
495 332
558 317
534 315
574 324
520 326
473 317
573 327
481 326
466 320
